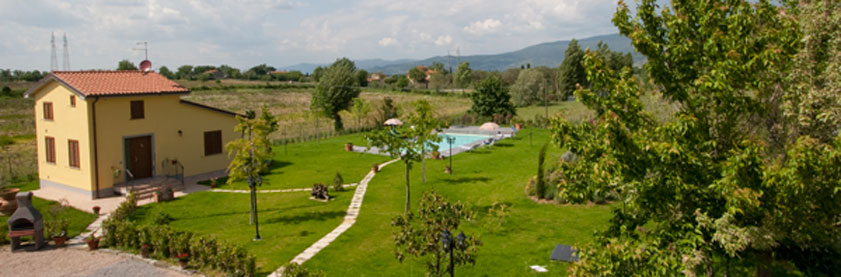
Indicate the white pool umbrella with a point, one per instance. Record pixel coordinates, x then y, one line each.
393 122
489 126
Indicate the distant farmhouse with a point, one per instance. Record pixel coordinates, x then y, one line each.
97 129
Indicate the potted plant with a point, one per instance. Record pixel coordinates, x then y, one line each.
448 170
349 146
375 168
213 183
56 229
8 203
183 258
144 250
92 241
96 210
518 126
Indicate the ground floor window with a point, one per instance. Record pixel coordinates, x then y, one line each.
212 142
49 148
73 152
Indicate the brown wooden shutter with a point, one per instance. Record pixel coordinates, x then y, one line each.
48 110
137 109
73 152
72 100
49 148
212 142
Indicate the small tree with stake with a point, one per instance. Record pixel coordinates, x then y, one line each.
421 235
407 142
250 157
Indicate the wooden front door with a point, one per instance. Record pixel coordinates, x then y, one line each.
139 156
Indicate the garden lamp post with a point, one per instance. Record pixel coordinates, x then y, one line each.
450 141
450 244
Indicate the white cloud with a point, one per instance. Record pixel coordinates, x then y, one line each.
387 41
444 40
285 32
483 26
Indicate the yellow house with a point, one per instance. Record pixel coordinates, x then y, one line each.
96 129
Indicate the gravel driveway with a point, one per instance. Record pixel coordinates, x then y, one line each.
76 262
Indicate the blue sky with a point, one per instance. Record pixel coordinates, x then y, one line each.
284 32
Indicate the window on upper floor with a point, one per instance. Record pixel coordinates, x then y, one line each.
72 100
212 142
137 109
49 149
48 110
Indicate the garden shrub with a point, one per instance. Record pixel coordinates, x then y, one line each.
161 218
167 242
338 181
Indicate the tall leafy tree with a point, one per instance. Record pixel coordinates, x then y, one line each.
491 97
362 77
571 72
704 193
317 73
360 110
463 75
417 75
184 72
336 91
529 88
126 65
166 72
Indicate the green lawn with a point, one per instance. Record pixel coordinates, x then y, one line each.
576 111
481 178
290 222
300 165
79 220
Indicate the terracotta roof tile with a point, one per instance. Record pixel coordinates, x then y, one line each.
126 82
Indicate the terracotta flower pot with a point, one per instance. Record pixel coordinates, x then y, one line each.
518 126
448 170
144 251
183 264
59 241
375 169
93 244
9 194
349 147
96 210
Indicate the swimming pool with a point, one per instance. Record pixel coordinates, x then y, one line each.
461 140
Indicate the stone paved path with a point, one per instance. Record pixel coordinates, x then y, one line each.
350 219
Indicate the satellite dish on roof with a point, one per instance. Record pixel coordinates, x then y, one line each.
145 66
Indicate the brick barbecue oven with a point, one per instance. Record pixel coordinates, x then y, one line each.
26 221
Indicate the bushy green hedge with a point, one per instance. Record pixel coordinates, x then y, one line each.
165 242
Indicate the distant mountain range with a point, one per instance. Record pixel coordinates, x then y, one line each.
549 54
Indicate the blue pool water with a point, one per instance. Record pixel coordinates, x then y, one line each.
461 139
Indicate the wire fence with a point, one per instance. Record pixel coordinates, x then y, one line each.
18 167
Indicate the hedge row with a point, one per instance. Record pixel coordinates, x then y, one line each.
165 242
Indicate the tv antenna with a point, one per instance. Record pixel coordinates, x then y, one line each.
66 59
145 49
53 58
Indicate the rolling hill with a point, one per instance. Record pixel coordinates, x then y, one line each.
549 54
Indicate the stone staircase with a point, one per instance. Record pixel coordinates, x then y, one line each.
146 188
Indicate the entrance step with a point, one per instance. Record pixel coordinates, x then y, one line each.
146 188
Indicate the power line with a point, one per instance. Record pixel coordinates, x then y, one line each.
53 58
66 65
